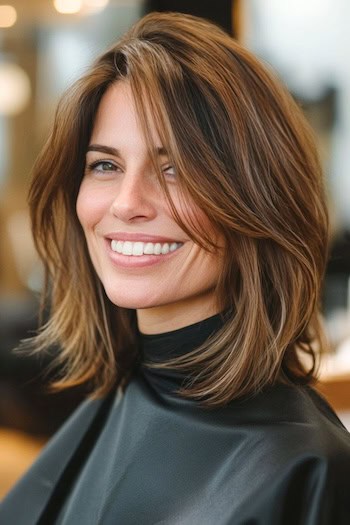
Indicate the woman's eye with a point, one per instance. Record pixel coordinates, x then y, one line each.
169 170
102 166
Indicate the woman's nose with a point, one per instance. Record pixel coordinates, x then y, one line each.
134 200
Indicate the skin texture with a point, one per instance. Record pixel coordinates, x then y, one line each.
120 193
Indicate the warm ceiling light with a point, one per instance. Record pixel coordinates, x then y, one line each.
15 89
8 15
94 6
68 6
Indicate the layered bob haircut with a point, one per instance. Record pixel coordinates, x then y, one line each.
245 156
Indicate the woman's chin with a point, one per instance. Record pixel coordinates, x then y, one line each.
132 301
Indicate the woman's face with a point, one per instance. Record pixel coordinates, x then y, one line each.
144 260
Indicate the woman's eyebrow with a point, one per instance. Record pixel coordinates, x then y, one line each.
160 151
104 149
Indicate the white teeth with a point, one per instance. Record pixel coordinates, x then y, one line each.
137 248
165 248
140 248
148 248
127 248
117 246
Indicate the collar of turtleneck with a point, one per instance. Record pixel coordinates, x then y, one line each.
156 348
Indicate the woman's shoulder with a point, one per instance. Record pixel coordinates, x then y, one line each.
308 438
67 447
293 422
296 456
306 413
317 419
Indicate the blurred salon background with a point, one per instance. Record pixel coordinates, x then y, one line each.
44 46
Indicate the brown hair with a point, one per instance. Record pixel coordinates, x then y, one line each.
250 163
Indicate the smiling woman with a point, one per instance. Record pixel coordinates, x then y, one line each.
179 210
128 223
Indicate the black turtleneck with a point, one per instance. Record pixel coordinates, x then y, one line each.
157 348
150 457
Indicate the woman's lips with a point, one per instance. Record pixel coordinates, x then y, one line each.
132 253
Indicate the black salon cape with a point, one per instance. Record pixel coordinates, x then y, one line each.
149 457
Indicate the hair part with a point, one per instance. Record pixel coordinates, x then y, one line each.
251 165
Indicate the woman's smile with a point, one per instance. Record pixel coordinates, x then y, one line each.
139 254
139 244
138 248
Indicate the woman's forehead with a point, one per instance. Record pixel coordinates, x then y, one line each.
118 119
